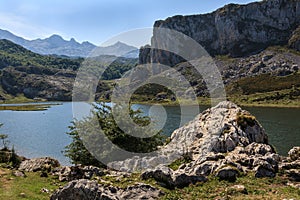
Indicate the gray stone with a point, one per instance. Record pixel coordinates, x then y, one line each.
39 164
19 173
227 173
181 180
140 191
161 174
90 190
237 189
81 190
257 148
233 29
67 173
294 153
264 170
294 174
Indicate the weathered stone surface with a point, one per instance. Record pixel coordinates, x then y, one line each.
224 140
161 174
291 164
216 130
294 153
168 178
237 189
67 173
19 173
294 41
140 191
294 174
237 30
227 173
39 164
181 179
81 190
90 190
256 148
264 169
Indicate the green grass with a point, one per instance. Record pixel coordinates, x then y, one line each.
12 187
264 188
28 107
257 188
176 164
264 83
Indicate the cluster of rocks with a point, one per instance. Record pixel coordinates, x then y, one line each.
224 141
39 164
273 61
76 172
291 165
86 189
266 62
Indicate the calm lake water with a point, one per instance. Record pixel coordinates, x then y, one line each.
43 133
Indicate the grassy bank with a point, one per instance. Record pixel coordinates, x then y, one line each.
30 187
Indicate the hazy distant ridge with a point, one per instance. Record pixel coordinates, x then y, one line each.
55 44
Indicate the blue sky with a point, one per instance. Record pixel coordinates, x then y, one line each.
94 20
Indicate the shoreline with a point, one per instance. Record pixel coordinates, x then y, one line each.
48 104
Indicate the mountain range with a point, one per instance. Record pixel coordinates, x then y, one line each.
56 45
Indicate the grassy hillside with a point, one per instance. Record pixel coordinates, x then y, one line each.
12 54
25 75
266 90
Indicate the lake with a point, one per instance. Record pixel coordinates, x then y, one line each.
43 133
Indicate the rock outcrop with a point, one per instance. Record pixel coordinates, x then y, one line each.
39 82
237 30
39 164
220 129
291 165
90 190
294 41
224 141
76 172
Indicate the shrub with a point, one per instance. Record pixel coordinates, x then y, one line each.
103 116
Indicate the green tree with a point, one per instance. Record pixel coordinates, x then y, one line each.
4 137
103 116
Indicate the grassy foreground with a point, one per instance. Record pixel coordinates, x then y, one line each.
30 187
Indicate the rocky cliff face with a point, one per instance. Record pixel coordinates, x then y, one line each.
237 30
38 82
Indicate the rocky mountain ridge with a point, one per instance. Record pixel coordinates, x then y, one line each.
56 45
236 30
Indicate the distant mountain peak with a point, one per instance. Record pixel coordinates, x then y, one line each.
56 44
55 36
73 40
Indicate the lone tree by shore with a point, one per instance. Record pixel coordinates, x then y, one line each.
4 137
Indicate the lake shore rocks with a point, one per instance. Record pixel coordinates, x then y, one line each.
39 164
224 141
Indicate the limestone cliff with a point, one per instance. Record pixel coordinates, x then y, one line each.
237 30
